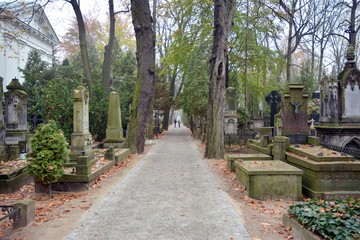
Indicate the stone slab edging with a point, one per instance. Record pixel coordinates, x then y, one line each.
298 230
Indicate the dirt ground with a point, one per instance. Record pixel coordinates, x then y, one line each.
58 216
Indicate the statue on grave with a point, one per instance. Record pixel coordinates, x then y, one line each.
296 108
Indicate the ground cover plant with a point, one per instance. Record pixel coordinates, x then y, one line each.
339 219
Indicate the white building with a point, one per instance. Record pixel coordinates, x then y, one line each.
22 28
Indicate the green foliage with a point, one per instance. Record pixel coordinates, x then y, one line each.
338 220
243 116
36 74
313 106
307 79
48 154
98 110
57 102
264 65
124 81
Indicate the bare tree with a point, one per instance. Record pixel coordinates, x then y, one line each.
298 15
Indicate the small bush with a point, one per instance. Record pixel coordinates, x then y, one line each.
338 219
48 154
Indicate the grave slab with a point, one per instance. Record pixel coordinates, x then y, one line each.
270 179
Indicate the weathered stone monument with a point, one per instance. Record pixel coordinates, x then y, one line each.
230 115
16 119
114 131
81 139
294 114
3 154
340 109
273 99
13 138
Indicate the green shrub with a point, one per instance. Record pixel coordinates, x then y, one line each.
338 219
48 154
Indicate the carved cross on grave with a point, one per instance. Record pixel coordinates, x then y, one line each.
273 99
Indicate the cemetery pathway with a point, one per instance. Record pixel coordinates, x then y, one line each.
170 194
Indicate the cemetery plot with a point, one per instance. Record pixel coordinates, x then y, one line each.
318 153
270 179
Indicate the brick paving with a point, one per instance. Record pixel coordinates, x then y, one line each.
170 194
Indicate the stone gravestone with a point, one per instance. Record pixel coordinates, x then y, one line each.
81 139
16 119
114 131
230 115
273 99
294 114
3 154
350 84
340 108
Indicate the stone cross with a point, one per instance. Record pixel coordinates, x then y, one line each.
312 126
273 99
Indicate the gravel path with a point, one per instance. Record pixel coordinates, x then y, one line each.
170 194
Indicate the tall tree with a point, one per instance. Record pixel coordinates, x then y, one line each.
144 93
106 69
82 41
223 16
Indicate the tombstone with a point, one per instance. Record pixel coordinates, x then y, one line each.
16 125
3 154
350 94
114 131
294 114
273 99
329 102
340 109
81 139
230 115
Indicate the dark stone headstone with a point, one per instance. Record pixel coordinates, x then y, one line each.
273 99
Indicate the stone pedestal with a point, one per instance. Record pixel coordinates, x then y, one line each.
81 139
27 213
280 145
15 118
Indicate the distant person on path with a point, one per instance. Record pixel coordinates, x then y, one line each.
178 120
174 122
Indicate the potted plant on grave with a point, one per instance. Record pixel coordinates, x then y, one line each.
49 153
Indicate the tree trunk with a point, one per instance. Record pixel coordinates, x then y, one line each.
223 15
82 41
144 93
106 69
288 56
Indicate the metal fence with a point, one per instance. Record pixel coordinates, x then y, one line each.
11 213
348 151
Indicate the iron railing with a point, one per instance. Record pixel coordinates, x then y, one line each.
344 150
11 213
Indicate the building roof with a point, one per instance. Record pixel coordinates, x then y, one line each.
29 16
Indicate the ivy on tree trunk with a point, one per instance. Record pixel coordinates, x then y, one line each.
144 93
223 15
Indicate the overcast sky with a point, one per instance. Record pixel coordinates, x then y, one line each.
60 13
